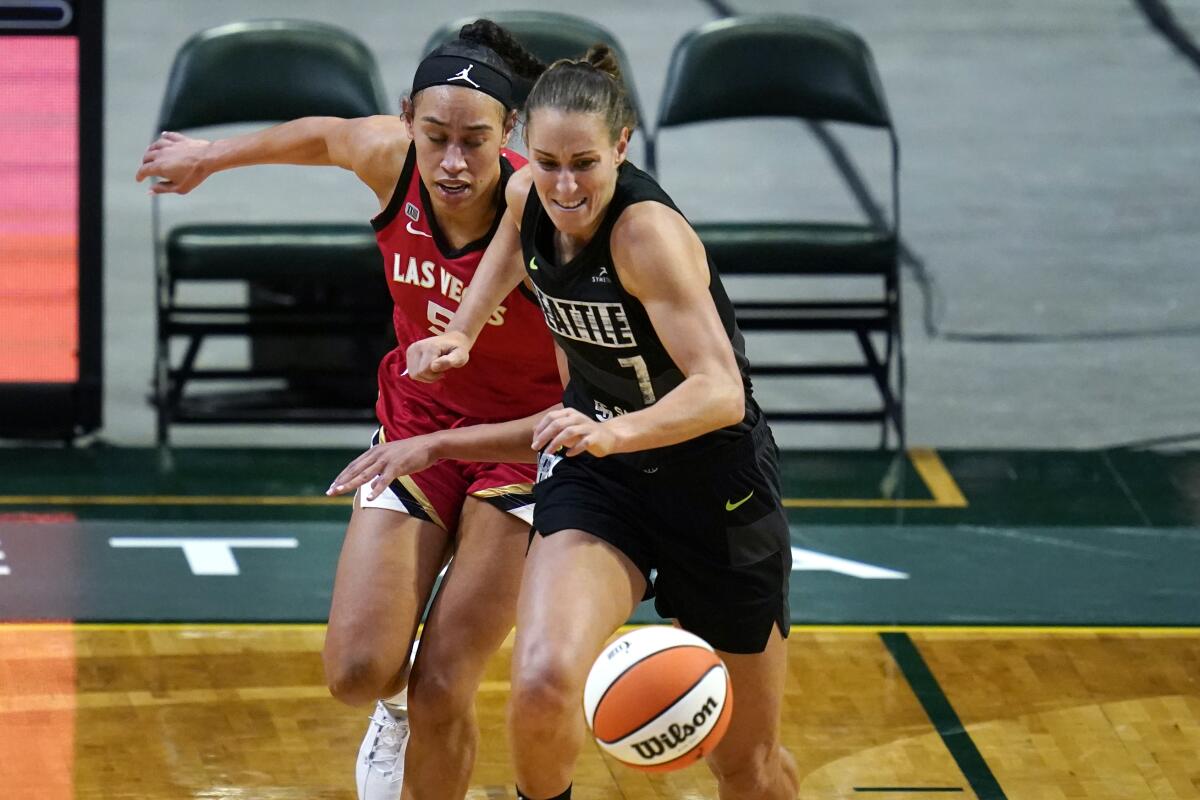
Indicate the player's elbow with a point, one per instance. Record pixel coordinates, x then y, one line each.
730 403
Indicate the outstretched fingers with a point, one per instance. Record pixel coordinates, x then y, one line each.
356 473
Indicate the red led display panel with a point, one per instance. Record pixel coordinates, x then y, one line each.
39 197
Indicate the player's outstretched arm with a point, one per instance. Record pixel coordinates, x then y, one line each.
372 147
501 442
499 272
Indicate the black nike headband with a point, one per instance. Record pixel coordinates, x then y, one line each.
451 70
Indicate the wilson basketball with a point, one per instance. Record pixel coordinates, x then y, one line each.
658 699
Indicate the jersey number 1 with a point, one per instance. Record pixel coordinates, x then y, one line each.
638 365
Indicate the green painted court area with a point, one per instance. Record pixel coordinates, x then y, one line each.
923 538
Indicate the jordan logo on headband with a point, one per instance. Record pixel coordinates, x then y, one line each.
465 75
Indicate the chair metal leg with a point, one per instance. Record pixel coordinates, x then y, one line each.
162 368
880 374
179 379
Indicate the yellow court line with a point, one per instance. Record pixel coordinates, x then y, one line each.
794 502
1168 630
929 467
158 626
171 500
41 703
1056 630
925 461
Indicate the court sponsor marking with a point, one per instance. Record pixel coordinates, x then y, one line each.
812 561
206 556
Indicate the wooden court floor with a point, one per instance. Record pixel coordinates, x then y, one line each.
240 711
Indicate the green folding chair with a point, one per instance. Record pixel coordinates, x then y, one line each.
263 72
816 71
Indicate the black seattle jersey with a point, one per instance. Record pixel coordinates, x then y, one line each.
617 362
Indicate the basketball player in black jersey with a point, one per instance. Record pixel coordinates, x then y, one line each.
659 459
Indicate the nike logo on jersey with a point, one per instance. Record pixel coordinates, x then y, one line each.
730 505
416 232
603 324
465 75
533 264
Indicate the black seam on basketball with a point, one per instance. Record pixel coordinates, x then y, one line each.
677 699
692 752
622 674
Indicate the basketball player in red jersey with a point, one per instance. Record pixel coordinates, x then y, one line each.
439 173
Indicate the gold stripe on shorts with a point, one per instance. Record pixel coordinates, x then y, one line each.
411 485
502 491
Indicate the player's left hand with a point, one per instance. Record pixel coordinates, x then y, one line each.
177 161
571 429
383 463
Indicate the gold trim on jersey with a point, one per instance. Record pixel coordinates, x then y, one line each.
426 506
502 491
411 486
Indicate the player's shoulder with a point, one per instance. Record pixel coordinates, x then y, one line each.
380 136
517 191
648 224
376 148
653 246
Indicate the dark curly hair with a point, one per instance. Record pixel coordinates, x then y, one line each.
485 41
519 61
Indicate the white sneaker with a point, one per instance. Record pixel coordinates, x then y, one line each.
379 773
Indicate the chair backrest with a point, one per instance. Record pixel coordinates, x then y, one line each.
772 66
549 35
270 71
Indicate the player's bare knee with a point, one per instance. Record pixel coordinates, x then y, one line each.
439 698
543 691
358 680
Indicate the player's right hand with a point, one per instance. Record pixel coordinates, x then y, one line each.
177 161
383 463
429 359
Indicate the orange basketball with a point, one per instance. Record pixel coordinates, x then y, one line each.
658 699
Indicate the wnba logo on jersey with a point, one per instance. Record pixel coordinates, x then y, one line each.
603 324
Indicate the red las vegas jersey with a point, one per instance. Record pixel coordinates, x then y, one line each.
512 370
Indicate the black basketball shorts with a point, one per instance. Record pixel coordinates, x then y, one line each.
712 526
